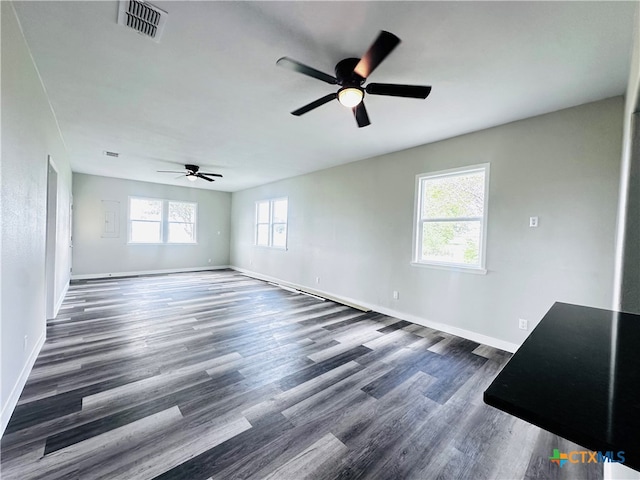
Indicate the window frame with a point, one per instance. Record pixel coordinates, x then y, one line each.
418 220
195 222
270 224
164 221
130 220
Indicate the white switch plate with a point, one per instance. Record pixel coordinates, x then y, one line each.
523 324
396 295
533 221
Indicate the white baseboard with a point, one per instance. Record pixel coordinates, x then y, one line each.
14 396
60 300
365 306
458 332
91 276
350 302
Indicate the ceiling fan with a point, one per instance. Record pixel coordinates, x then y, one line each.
351 73
192 172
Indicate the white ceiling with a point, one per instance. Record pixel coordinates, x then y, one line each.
210 93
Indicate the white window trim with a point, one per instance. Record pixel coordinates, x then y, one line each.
417 221
270 224
168 222
164 222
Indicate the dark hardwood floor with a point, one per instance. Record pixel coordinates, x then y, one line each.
217 375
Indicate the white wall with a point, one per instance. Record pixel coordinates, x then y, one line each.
352 225
97 256
29 134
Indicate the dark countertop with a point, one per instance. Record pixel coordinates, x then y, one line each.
578 376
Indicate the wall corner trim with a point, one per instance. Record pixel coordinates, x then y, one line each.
459 332
14 396
61 299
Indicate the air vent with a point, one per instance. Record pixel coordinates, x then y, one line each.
111 154
144 18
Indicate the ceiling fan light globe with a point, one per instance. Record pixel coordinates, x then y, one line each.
350 96
192 178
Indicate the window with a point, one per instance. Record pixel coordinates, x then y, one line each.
145 220
451 218
182 222
161 221
271 223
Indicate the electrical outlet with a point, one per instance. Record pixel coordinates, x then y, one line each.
209 260
396 295
533 221
523 324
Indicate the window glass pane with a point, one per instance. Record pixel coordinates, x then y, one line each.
182 212
181 233
280 211
262 237
263 212
143 209
453 196
145 232
280 235
451 242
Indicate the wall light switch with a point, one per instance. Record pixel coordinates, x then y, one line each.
533 221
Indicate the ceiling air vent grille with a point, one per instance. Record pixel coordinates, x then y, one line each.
144 18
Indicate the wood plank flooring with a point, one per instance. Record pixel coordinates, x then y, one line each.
214 375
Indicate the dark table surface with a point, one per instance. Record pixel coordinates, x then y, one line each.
578 376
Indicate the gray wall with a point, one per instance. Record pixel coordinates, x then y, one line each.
627 288
29 134
352 225
96 256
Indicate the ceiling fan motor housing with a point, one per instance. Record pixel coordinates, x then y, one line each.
346 75
192 168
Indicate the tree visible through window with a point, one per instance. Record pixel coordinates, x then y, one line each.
161 221
182 222
451 217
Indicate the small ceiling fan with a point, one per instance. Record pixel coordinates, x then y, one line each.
192 172
351 73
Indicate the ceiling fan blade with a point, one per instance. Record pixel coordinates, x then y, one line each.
378 51
361 115
200 175
180 176
211 174
296 66
315 104
395 90
170 171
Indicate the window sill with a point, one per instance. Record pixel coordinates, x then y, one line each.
451 268
269 247
162 243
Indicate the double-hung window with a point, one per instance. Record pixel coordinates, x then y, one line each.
162 221
181 220
145 220
451 222
271 223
